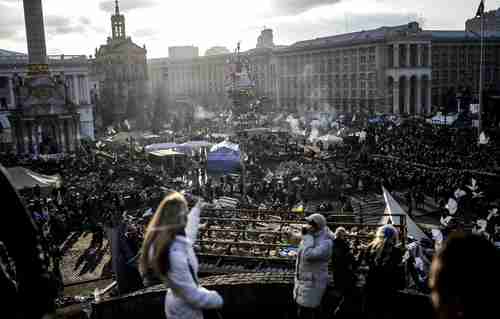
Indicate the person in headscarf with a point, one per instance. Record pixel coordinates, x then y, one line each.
168 250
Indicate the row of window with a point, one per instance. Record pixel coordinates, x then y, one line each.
318 93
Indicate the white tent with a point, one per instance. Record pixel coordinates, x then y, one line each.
24 178
393 208
330 139
225 144
160 146
197 144
163 153
440 119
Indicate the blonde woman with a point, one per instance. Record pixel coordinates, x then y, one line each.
383 256
168 250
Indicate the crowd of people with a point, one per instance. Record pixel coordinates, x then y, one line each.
434 146
110 184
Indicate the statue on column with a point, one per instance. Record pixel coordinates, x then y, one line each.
67 97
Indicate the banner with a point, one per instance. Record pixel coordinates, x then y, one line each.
393 208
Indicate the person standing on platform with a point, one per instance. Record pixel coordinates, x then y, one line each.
311 268
383 257
168 250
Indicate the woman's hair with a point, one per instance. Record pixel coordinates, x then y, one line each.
385 239
168 220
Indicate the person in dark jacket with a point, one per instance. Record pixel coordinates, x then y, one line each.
464 278
344 278
25 274
342 261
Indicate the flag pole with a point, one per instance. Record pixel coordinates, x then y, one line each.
481 62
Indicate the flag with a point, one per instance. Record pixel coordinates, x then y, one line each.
393 207
480 9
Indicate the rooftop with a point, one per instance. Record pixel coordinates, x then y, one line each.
460 35
359 36
11 57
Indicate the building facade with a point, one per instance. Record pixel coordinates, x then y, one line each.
399 69
120 73
456 58
384 70
183 52
74 71
200 80
491 22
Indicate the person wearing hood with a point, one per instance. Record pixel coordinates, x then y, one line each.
311 268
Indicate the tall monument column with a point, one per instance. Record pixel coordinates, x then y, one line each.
35 34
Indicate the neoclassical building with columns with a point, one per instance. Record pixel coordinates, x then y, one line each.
399 69
63 128
408 75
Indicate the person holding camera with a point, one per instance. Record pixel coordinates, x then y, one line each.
311 268
168 250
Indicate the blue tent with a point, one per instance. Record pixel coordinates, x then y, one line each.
223 159
376 120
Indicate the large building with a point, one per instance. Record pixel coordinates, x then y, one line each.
45 100
386 69
203 79
183 52
398 69
73 69
491 22
456 63
120 70
200 80
401 69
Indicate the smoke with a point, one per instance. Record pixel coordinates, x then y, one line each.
201 114
315 126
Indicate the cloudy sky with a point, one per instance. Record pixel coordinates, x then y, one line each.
78 27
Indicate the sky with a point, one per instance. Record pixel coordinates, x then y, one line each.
80 26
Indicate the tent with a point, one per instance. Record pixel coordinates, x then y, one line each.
160 146
376 120
24 178
393 207
150 136
440 119
197 144
224 157
225 144
330 139
164 153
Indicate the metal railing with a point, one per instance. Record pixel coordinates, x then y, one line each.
235 233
